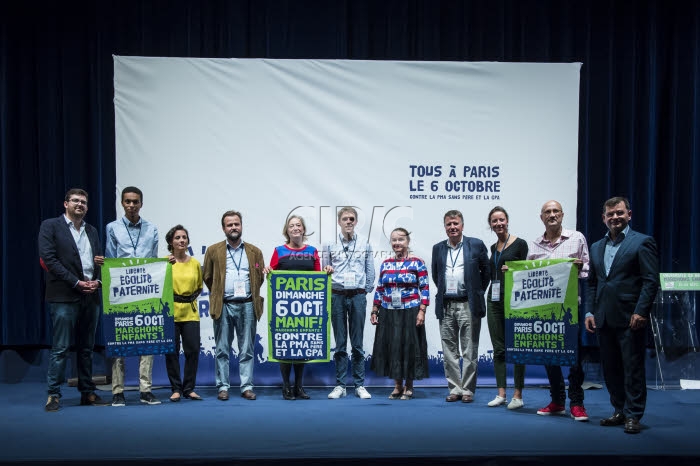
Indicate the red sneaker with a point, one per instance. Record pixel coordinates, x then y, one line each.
552 409
579 413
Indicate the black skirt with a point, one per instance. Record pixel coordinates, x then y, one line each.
400 348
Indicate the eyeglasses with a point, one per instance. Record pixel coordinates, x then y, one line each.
78 201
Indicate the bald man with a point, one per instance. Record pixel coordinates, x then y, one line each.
559 243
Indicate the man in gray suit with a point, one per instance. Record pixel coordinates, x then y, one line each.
623 280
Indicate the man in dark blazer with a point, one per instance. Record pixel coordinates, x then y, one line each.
460 269
623 281
67 252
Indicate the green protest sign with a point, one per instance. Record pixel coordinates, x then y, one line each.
541 310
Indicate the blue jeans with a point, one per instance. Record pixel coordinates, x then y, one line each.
238 318
348 316
72 320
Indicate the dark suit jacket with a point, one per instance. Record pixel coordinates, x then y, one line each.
61 259
631 285
476 274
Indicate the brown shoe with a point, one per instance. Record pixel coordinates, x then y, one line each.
223 395
451 398
248 395
92 399
52 404
467 398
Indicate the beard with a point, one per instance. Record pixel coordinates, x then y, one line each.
233 237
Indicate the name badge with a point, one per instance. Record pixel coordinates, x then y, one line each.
349 280
396 298
239 289
451 286
495 290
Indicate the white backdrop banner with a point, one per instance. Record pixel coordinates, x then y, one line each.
402 142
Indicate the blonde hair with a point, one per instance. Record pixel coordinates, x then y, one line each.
286 225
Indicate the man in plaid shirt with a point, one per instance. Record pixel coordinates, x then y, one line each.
560 243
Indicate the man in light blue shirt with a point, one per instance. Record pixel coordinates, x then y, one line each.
132 236
351 261
623 280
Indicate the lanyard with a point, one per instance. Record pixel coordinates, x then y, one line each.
454 260
240 259
349 257
497 255
354 245
130 238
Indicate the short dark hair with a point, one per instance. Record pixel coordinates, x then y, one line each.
132 189
171 234
613 201
231 213
494 210
78 191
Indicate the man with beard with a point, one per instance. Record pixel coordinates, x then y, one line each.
68 249
233 272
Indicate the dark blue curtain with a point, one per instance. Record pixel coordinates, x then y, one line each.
639 108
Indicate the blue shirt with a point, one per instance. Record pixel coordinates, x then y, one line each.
237 268
611 248
126 239
354 256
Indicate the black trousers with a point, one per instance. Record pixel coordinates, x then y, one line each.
557 388
189 333
622 353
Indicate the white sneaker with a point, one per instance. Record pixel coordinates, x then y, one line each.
362 393
515 403
338 392
498 401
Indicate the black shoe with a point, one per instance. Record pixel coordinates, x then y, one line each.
632 426
300 393
148 398
118 400
616 419
52 403
91 399
288 393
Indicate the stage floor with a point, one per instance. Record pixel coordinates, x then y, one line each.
343 431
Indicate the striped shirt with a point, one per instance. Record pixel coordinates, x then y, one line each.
410 276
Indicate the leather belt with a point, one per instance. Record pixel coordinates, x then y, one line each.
349 292
456 299
238 301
